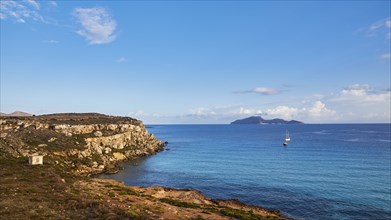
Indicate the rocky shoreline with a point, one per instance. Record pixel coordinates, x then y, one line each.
76 146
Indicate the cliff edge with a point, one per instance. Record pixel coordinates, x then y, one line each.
83 143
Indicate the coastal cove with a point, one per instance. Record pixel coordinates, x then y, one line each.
328 171
70 147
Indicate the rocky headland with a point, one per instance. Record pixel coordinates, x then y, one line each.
76 146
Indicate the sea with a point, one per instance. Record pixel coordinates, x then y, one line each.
327 171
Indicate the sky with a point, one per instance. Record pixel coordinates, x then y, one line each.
198 62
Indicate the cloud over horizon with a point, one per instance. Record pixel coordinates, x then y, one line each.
96 25
353 103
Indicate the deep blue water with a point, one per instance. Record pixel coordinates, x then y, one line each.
326 171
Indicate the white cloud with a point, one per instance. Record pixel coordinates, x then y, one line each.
320 111
284 112
34 4
266 91
363 103
20 11
202 112
315 112
262 90
355 89
354 103
121 60
385 56
361 94
97 25
222 112
380 27
249 111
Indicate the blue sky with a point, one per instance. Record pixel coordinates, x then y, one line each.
198 62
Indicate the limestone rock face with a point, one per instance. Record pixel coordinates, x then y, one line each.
88 148
128 142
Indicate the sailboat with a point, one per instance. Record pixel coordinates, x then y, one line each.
287 138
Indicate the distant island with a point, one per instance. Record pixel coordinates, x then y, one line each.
260 120
15 114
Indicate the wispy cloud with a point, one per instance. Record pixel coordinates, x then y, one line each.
381 27
356 87
261 90
51 41
290 85
53 3
97 25
137 114
385 56
121 60
21 11
362 94
34 4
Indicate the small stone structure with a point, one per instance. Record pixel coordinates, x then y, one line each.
35 159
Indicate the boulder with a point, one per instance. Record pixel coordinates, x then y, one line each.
119 156
52 139
98 133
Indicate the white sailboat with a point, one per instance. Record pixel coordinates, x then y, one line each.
287 138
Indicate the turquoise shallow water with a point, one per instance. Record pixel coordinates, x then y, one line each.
326 171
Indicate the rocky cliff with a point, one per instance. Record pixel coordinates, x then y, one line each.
88 146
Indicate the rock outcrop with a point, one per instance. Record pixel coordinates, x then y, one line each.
86 148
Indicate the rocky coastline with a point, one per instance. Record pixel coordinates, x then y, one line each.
86 143
76 146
